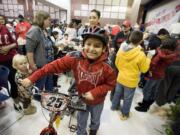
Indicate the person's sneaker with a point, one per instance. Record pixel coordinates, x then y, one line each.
18 107
125 117
141 108
30 110
140 103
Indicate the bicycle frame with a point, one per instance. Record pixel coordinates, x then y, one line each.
59 104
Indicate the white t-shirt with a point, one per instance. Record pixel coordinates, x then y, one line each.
175 28
71 33
59 32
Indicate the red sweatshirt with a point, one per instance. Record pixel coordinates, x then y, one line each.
160 62
5 40
97 77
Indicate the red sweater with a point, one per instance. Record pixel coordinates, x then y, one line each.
160 62
115 30
97 77
22 28
5 40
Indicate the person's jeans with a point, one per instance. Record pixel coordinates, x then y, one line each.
49 83
82 118
169 86
127 93
13 91
41 83
150 89
142 81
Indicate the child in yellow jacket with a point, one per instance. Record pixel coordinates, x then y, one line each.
130 62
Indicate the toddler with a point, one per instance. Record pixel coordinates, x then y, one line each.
20 63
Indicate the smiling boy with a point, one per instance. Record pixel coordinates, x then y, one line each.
94 76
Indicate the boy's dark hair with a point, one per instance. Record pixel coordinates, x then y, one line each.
163 32
20 16
97 12
169 43
154 42
135 37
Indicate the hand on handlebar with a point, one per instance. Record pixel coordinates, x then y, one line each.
88 96
25 82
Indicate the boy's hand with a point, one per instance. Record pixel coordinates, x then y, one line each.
151 53
88 96
26 82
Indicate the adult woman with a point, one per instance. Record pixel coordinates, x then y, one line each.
7 51
49 51
94 18
35 44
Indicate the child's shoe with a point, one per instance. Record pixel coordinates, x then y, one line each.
30 110
125 117
140 103
145 106
17 107
142 108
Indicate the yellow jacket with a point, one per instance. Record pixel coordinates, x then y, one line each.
130 63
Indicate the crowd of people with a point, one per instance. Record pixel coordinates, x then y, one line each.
117 59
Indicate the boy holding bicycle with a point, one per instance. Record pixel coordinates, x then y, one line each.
94 76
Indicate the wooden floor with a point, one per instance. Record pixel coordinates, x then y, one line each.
14 123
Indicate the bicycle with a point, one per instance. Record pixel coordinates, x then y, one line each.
60 104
